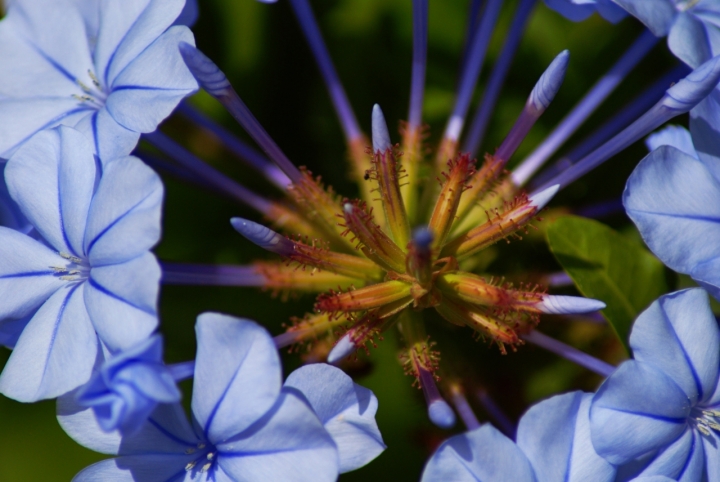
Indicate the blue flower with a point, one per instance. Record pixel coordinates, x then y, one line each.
480 454
110 69
246 427
127 388
673 197
90 276
665 404
555 436
691 25
346 409
578 10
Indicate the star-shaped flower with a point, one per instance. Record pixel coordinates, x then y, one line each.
89 280
110 69
664 405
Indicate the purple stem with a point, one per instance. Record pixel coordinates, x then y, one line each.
561 278
471 72
419 62
208 174
310 28
592 100
476 132
473 18
439 412
210 275
507 427
570 353
621 120
160 164
601 209
464 410
215 83
248 154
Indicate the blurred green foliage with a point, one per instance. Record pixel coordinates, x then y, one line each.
607 266
263 52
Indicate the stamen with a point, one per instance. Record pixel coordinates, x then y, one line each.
190 465
94 78
206 467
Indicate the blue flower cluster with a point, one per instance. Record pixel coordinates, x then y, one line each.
82 80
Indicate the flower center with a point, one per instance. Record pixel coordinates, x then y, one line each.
706 421
75 270
93 94
205 460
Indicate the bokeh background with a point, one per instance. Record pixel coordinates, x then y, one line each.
263 52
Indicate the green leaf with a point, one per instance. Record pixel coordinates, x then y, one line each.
607 266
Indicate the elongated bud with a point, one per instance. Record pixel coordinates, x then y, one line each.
459 172
205 71
542 94
371 325
342 349
317 257
549 83
380 134
263 237
514 217
367 298
688 92
565 305
373 241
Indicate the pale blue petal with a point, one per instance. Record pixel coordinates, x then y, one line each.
289 443
481 454
610 11
30 116
683 460
127 29
26 279
346 410
672 135
124 218
555 436
126 292
572 10
675 203
637 410
705 130
688 40
152 85
55 46
139 468
52 178
111 139
679 335
167 430
712 458
55 353
237 374
189 14
657 15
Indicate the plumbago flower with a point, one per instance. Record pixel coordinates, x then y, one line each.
88 283
664 405
247 427
553 443
672 197
691 25
110 69
127 388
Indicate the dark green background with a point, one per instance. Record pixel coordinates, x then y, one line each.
263 52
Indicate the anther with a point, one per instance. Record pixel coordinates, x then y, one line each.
95 80
189 451
190 465
210 455
206 467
